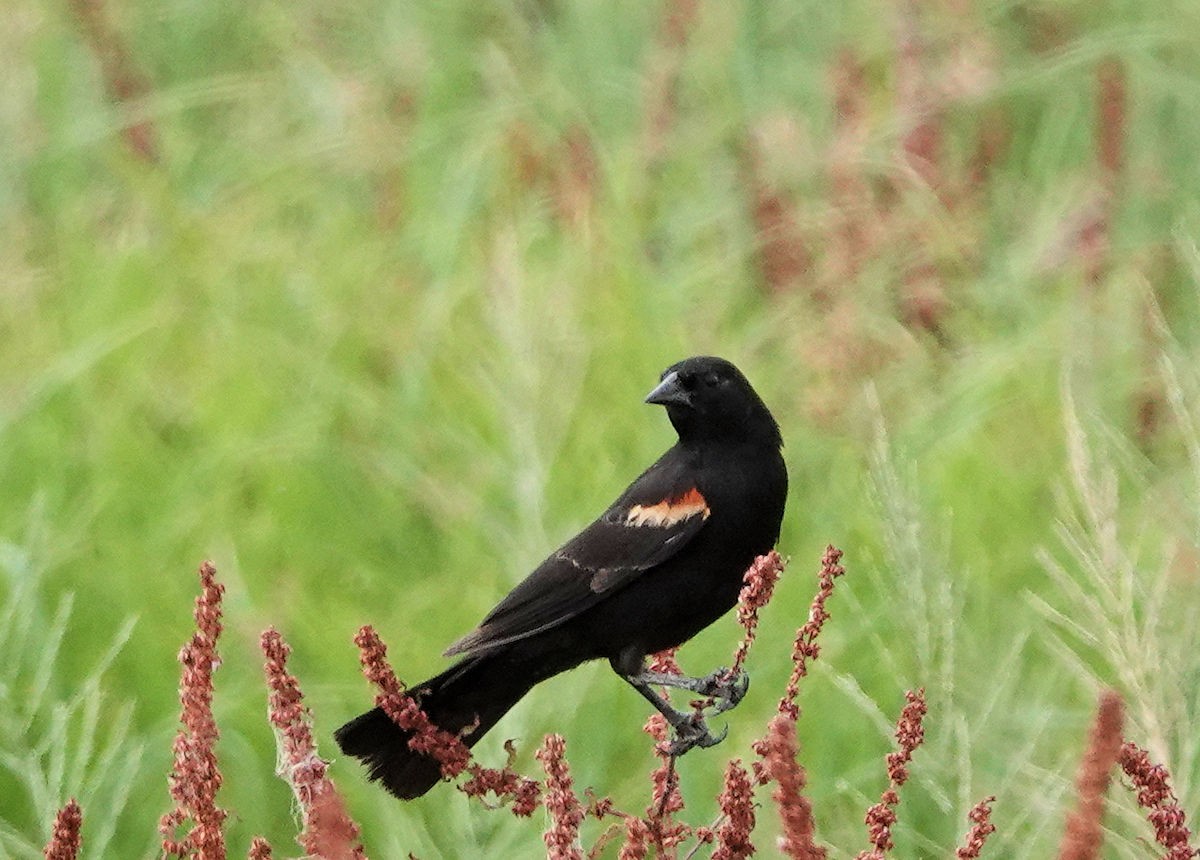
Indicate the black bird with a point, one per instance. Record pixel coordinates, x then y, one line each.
660 565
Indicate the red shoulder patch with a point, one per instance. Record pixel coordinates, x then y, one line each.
668 512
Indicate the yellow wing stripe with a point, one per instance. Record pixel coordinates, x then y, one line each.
669 511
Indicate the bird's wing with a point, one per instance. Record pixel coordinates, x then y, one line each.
650 523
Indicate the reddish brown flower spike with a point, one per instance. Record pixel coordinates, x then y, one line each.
666 799
450 752
507 785
1112 99
637 839
664 661
328 829
783 255
981 828
881 818
1084 835
737 810
566 814
195 778
65 840
848 185
759 585
122 78
805 647
1154 794
910 734
779 750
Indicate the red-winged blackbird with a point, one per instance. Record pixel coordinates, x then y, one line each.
660 565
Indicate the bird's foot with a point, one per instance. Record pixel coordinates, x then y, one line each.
692 732
722 689
724 686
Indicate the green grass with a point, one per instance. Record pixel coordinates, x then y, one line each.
342 341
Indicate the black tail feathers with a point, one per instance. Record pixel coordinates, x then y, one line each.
383 748
469 692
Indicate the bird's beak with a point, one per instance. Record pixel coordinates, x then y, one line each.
669 392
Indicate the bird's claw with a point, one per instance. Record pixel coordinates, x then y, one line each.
691 733
719 691
726 687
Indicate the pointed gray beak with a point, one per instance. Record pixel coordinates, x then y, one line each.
669 392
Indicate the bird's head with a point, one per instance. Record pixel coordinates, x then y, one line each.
708 399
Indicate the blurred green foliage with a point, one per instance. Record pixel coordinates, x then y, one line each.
372 329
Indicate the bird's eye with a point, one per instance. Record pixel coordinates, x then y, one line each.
711 380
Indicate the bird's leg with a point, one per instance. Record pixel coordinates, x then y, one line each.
724 686
690 728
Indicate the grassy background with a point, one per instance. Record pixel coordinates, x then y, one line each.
371 327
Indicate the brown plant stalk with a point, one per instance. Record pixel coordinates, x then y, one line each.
1093 238
779 764
65 839
805 646
737 814
665 832
784 259
637 839
881 817
122 78
662 75
1084 834
443 746
566 813
260 849
1154 794
195 777
523 795
980 817
849 243
328 831
759 584
778 749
